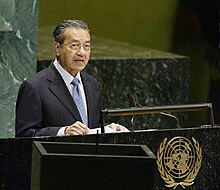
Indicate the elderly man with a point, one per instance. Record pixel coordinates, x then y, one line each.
62 99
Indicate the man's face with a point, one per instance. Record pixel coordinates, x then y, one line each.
73 54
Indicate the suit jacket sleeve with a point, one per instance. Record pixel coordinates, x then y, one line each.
29 114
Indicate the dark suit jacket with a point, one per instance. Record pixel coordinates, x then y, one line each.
44 104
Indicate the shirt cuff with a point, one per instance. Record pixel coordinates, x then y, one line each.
61 131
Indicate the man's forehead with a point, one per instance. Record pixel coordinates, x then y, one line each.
75 34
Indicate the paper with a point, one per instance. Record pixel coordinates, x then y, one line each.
107 130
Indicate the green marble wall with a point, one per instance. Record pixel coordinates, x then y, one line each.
156 77
156 82
18 42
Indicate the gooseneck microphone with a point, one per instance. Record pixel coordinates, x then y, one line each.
173 116
133 99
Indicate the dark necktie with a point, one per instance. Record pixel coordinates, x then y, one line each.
78 100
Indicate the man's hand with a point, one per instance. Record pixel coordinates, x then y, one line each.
117 127
77 128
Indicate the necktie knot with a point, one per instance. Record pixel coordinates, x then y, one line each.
75 82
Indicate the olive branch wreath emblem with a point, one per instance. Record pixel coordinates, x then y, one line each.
187 180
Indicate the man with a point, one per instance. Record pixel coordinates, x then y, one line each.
47 103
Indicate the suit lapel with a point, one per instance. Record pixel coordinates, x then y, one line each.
60 90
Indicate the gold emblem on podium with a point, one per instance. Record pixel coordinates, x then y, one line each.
179 161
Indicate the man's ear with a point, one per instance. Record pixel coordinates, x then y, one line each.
57 48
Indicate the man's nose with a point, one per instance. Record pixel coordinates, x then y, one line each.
81 50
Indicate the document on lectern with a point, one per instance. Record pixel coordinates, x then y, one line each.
107 130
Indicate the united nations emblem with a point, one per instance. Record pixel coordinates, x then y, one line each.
179 161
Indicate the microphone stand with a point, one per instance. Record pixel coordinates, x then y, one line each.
132 123
134 100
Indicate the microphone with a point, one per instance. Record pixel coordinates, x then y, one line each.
173 116
134 101
132 97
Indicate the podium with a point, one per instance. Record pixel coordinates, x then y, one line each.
16 160
65 165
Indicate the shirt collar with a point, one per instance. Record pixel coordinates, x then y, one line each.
67 77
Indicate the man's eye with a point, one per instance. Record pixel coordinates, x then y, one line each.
87 45
74 45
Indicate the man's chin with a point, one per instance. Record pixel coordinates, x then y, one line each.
79 67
